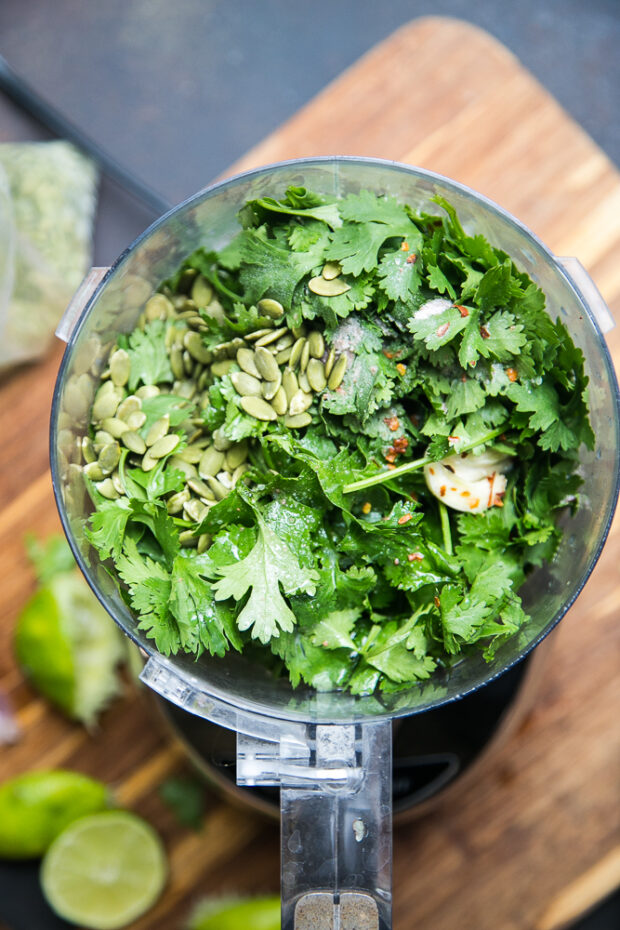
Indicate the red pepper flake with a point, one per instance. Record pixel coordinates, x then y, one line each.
390 455
401 444
406 517
452 441
391 467
462 310
415 556
497 501
401 369
412 259
326 642
442 330
405 246
437 601
465 494
392 423
388 354
475 503
512 373
442 491
432 471
396 561
367 507
485 333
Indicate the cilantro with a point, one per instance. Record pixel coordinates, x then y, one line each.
148 356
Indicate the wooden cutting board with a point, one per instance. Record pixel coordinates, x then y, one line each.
536 828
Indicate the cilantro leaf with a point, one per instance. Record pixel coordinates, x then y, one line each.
334 632
400 277
148 356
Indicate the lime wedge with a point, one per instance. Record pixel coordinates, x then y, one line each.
37 806
237 914
69 647
104 871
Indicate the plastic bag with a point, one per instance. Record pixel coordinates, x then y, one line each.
47 205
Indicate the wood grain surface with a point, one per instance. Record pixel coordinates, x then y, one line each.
543 812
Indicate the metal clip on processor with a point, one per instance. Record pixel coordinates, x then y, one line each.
330 754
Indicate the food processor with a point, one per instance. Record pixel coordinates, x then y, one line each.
329 754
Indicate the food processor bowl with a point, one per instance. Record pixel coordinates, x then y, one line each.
329 752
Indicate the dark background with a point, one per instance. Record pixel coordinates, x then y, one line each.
176 90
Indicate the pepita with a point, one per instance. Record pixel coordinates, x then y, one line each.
280 402
296 353
108 457
148 461
195 510
245 361
305 356
114 426
300 403
134 442
120 367
136 420
289 383
236 455
266 364
304 384
328 288
158 307
188 363
94 471
146 391
298 331
175 503
283 356
105 405
201 292
200 488
210 462
221 441
176 362
186 468
331 270
187 539
218 489
204 541
196 347
298 420
245 384
337 373
258 408
238 473
270 388
257 334
191 454
221 368
316 344
158 430
118 484
271 336
272 308
329 362
164 446
106 489
316 375
287 340
128 406
88 452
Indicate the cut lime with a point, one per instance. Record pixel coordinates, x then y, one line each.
104 871
37 806
236 914
69 647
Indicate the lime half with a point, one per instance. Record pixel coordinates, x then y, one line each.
104 870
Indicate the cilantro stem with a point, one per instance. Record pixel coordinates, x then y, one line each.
219 286
409 467
445 528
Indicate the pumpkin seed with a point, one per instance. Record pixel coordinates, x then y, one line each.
114 426
106 489
298 331
93 471
128 406
236 455
164 446
221 441
218 489
280 402
305 356
337 373
283 343
238 472
283 356
298 420
200 488
188 363
108 457
185 280
176 362
316 375
258 408
296 353
317 344
136 420
102 438
270 388
300 403
289 383
201 291
271 336
120 367
157 307
328 288
216 311
175 503
211 462
88 451
266 364
158 430
76 402
105 405
304 384
195 510
204 541
196 347
185 389
225 479
148 461
245 361
176 462
221 368
331 270
148 390
257 334
329 362
245 384
272 308
191 454
134 442
187 539
118 484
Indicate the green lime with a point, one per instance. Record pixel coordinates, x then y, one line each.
69 647
37 806
235 914
104 871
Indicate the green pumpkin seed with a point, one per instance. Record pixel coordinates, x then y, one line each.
102 438
283 356
329 362
238 472
148 390
316 375
221 368
164 446
305 356
296 352
204 541
134 442
195 321
271 336
272 308
300 403
289 383
298 420
211 462
118 484
136 420
304 384
158 430
337 373
94 471
157 307
216 311
185 389
114 426
328 288
76 402
106 489
187 539
108 457
191 454
257 334
195 510
88 451
236 455
270 388
176 362
258 408
331 270
201 292
245 384
317 344
175 503
298 331
186 468
283 343
128 406
200 488
218 489
266 364
280 402
188 363
196 347
221 441
105 405
120 367
245 361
